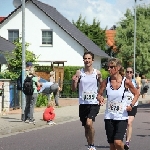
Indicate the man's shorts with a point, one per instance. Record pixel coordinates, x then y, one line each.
133 111
115 129
88 111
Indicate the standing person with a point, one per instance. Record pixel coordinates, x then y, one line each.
49 113
19 81
131 114
30 90
116 113
138 82
144 83
50 87
87 79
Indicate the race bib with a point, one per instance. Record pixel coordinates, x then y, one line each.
115 107
88 96
129 98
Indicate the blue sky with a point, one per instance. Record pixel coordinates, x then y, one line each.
108 12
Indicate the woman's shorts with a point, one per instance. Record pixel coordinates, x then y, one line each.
115 129
133 111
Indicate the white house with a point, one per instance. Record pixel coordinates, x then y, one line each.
50 35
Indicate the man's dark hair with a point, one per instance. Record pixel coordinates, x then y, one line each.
90 53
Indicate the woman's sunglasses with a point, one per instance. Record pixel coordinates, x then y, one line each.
129 72
111 67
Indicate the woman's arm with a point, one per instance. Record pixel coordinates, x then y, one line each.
133 90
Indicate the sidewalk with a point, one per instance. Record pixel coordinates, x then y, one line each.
11 123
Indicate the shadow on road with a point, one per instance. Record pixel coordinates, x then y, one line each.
146 122
144 108
143 135
9 118
102 147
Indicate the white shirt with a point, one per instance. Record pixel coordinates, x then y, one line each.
116 102
88 88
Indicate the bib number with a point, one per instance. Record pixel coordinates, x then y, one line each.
88 96
115 107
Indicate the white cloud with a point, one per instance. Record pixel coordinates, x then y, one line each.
108 13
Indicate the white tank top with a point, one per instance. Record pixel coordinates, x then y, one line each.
88 88
116 102
130 96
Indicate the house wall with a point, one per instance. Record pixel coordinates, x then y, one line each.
64 47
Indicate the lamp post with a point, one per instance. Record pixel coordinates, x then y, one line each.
135 35
23 57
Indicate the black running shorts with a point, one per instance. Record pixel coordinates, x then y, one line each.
133 111
115 129
88 111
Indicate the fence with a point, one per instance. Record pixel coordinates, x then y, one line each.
66 90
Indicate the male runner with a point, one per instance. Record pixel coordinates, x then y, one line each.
87 80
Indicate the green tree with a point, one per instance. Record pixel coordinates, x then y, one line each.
125 39
15 61
92 31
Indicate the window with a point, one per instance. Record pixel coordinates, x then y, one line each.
13 35
47 37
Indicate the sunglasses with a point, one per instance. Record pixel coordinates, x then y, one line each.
129 72
111 67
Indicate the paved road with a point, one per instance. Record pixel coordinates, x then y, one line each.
70 136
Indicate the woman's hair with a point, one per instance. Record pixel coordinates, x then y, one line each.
130 68
50 104
117 62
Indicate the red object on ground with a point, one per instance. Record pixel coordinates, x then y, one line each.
49 114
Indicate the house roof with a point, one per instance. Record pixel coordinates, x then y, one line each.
5 45
2 18
67 26
110 38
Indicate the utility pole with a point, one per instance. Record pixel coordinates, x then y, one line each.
23 58
134 36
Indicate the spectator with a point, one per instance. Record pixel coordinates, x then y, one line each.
49 113
144 87
31 99
50 87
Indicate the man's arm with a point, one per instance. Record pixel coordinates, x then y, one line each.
75 80
101 91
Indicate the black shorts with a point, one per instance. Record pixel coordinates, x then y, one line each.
115 129
88 111
133 112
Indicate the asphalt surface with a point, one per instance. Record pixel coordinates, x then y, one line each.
70 135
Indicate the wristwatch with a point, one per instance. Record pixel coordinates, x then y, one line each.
132 105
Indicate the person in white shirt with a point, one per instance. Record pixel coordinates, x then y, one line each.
131 114
116 113
88 79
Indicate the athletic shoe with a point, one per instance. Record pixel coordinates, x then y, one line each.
32 121
126 146
51 123
91 148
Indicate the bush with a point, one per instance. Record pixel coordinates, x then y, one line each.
69 71
104 73
42 100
